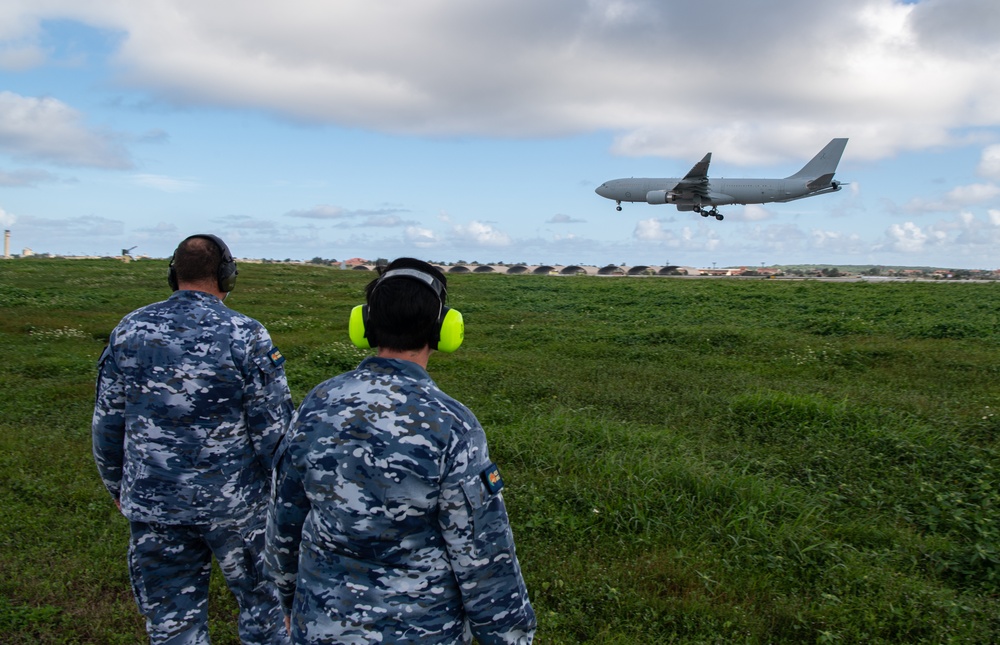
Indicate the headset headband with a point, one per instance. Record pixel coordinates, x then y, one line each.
227 255
450 326
226 272
423 276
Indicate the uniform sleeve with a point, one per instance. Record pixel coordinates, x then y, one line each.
267 400
285 516
480 546
108 424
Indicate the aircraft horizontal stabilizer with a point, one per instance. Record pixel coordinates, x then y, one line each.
832 188
820 182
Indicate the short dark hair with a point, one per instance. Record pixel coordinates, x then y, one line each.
404 311
197 259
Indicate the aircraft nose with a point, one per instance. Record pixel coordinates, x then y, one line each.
602 190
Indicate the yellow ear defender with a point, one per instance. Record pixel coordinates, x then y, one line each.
356 328
450 335
451 324
452 331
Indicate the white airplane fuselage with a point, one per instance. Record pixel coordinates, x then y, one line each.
720 191
697 192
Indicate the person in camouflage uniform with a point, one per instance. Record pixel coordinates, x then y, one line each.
387 523
192 401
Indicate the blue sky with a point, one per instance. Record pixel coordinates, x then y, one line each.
478 131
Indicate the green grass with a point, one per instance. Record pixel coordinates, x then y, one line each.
690 461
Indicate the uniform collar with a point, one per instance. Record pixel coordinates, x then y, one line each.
194 295
395 365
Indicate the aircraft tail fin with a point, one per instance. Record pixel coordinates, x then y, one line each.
824 163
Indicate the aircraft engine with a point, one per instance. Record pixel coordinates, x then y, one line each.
658 197
661 197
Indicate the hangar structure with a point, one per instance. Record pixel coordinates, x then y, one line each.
547 269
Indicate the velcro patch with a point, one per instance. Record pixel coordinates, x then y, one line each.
492 479
275 355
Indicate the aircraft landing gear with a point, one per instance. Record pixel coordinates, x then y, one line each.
619 206
713 212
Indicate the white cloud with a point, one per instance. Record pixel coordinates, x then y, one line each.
974 235
973 194
6 219
752 213
651 230
702 237
14 58
616 11
422 238
989 163
375 218
910 238
961 240
386 221
769 241
321 211
958 27
956 198
25 177
85 226
19 34
837 242
166 184
563 67
481 234
45 129
891 76
561 218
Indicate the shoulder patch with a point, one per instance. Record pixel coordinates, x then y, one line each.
492 479
275 355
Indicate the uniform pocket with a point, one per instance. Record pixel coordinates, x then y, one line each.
253 551
135 579
268 368
487 517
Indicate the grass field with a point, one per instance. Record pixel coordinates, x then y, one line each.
689 461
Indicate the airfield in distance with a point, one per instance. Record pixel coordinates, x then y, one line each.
823 272
773 272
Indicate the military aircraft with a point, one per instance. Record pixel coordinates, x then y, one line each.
696 192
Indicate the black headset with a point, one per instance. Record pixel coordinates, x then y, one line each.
450 326
225 274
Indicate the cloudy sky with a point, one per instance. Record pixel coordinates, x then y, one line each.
477 131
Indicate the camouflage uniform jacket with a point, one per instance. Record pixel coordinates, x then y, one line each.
192 401
385 524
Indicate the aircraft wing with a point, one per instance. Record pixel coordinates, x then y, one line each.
695 183
699 172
